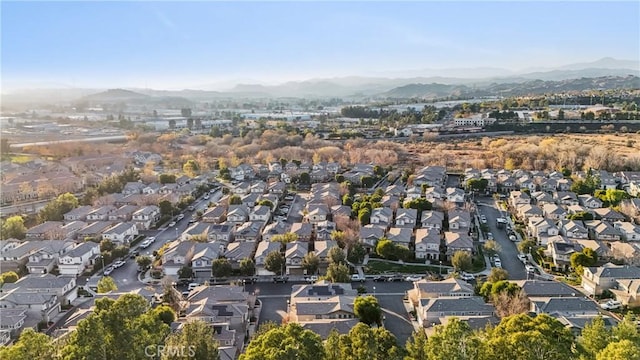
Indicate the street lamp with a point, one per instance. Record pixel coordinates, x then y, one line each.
374 291
440 269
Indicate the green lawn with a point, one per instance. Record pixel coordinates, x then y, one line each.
380 267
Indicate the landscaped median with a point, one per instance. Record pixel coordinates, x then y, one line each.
380 266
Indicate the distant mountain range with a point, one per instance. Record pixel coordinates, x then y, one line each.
605 73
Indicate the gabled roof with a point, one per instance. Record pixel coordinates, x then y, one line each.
427 236
37 282
539 288
239 250
322 247
402 235
296 249
616 271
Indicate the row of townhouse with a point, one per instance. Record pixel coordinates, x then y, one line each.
436 302
42 256
428 242
321 171
143 217
120 233
622 280
32 299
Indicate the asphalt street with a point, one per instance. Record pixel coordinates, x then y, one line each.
509 251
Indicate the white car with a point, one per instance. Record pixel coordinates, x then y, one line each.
513 238
490 236
413 278
483 219
206 197
356 277
151 239
145 244
497 263
107 271
611 305
530 268
180 217
192 286
466 276
311 279
522 257
172 224
118 264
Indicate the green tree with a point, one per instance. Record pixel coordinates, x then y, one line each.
311 262
332 346
528 246
338 273
14 228
620 350
221 267
9 277
386 249
289 342
461 260
626 330
285 238
477 184
274 262
347 200
416 346
247 267
191 168
455 340
364 216
235 200
185 272
524 337
497 275
594 337
30 346
368 310
266 202
56 208
144 261
491 247
106 284
356 253
336 255
420 204
367 181
167 179
305 178
197 338
165 314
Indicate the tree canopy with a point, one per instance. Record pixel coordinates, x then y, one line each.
368 310
289 342
13 227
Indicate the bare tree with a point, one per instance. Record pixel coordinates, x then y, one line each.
507 305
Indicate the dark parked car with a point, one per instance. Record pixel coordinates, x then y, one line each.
396 278
134 254
380 278
280 279
249 280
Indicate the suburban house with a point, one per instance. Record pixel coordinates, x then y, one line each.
573 229
41 260
553 211
459 220
607 276
122 233
260 213
198 255
455 195
263 249
238 251
215 214
382 216
400 236
294 253
249 231
16 254
321 249
602 230
237 214
304 231
590 201
456 241
369 236
627 292
64 287
324 230
274 228
427 244
629 231
561 251
48 230
608 214
75 261
317 213
406 218
542 229
78 214
144 218
101 214
627 252
517 198
432 220
566 198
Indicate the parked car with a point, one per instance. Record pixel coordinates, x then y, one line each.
118 264
134 254
191 208
483 219
311 279
250 280
466 276
379 278
513 238
413 278
107 271
151 239
522 257
192 286
288 197
145 244
530 268
396 278
280 279
206 197
497 263
357 277
490 236
180 217
172 224
611 305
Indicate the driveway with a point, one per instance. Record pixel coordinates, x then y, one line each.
509 252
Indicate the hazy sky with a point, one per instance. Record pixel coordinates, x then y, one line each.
167 44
